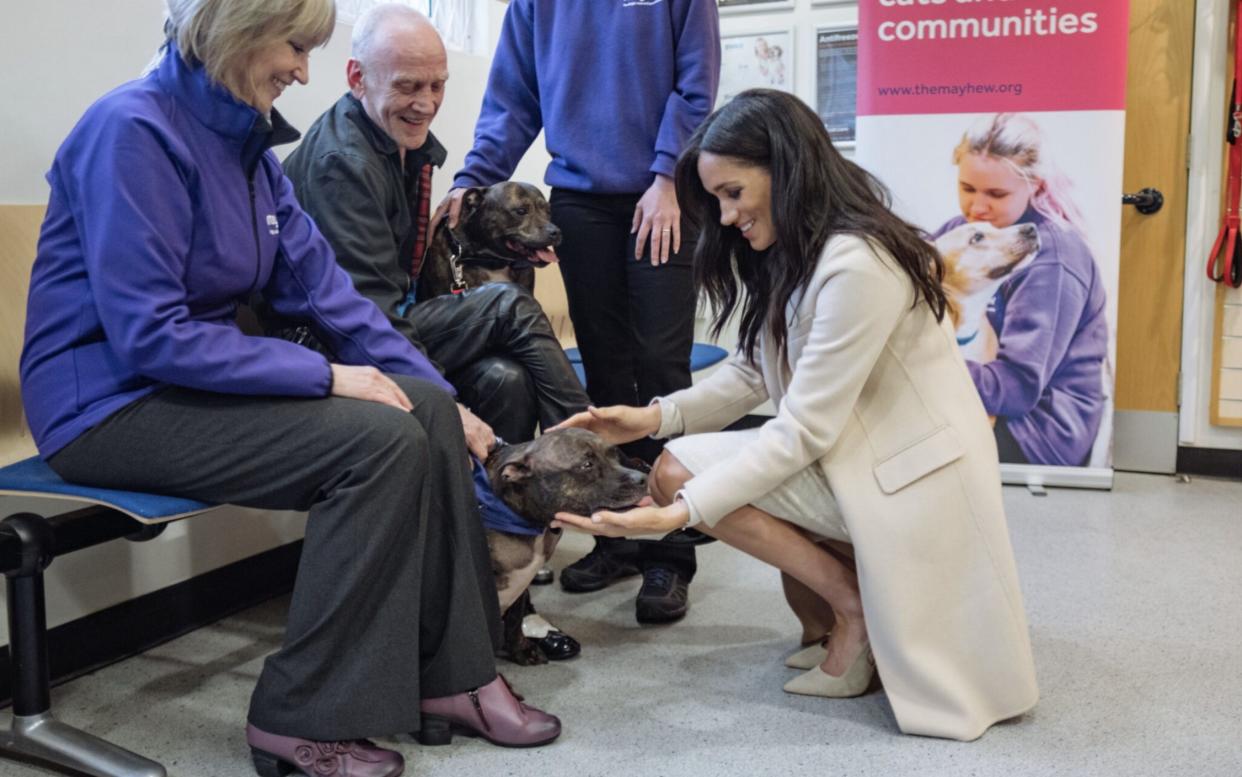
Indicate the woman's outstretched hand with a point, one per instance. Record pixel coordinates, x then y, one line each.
368 383
617 424
647 519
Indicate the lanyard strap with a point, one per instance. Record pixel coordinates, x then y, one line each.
1225 260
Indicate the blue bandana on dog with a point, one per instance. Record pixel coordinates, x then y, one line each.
496 514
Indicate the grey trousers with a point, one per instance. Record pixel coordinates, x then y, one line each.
394 599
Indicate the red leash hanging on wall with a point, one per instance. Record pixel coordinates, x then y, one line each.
1225 261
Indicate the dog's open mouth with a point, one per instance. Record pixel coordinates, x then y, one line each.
532 254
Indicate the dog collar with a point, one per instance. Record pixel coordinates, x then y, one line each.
967 340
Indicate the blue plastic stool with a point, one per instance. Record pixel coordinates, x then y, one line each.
28 543
702 356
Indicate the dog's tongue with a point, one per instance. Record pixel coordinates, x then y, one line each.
546 255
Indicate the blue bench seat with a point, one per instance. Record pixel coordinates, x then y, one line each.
34 478
702 356
28 543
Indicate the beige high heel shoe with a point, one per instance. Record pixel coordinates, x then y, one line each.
855 681
810 656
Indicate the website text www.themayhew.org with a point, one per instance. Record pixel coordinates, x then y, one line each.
949 90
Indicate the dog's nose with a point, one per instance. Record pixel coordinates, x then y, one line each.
1028 231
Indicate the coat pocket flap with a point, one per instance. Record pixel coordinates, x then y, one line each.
918 459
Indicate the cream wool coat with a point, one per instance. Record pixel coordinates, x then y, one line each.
875 391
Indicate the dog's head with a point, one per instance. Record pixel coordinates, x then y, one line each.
567 470
977 254
511 220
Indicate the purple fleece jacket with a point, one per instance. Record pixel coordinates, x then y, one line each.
167 208
617 87
1047 381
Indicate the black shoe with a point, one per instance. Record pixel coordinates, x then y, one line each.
557 645
663 597
597 569
543 577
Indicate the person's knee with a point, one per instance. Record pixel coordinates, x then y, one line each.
433 407
668 476
391 437
503 377
502 393
425 393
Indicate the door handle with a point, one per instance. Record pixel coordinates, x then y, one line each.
1146 201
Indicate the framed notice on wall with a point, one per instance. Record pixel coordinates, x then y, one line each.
746 6
836 81
754 60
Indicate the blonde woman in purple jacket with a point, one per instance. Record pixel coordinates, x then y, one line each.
1046 385
167 208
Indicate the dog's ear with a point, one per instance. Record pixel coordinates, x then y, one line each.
470 202
514 472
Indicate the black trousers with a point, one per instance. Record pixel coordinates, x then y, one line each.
497 348
634 323
394 599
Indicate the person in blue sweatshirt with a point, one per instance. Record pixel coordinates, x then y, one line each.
168 208
616 91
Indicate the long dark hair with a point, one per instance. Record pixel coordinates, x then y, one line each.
816 194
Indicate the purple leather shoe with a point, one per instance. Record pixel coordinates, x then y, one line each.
493 712
277 756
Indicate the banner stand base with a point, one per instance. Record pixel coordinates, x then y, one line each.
1035 476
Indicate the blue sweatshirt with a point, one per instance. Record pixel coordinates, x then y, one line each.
618 86
166 210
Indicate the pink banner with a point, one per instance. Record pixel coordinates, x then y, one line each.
970 56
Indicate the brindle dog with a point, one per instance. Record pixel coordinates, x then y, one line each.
504 232
567 470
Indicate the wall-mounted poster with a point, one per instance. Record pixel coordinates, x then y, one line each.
836 81
755 60
746 6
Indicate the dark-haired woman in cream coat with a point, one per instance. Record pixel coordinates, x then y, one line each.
879 440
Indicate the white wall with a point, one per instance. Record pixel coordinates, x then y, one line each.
56 57
1207 128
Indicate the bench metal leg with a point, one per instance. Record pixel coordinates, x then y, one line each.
47 739
34 732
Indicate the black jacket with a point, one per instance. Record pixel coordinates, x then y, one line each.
347 175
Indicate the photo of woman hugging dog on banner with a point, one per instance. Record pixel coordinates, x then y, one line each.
1030 302
1024 271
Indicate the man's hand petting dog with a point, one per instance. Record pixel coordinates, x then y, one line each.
644 519
450 207
617 424
368 383
658 216
479 436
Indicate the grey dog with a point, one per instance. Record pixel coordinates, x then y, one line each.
567 470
